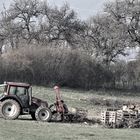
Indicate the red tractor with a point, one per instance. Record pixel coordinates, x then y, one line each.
17 100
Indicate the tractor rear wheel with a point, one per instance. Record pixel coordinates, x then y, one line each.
10 109
43 114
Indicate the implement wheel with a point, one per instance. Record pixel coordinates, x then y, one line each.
43 114
10 109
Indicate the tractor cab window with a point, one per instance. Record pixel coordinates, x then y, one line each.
12 90
18 90
21 91
3 87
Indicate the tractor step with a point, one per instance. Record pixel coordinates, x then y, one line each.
26 111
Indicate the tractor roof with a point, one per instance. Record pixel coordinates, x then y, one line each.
17 84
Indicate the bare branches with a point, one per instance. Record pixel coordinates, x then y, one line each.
107 39
130 9
61 25
40 23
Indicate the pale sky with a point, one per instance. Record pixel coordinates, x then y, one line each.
84 8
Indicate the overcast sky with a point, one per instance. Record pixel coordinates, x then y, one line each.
84 8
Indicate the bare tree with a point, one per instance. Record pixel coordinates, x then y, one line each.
23 14
127 13
106 39
9 31
60 25
36 21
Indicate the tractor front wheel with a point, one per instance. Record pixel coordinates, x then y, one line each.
10 109
43 114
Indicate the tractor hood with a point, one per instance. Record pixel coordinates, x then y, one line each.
39 102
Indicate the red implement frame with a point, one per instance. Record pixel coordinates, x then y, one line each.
59 103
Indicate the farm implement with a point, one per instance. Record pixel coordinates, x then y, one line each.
17 100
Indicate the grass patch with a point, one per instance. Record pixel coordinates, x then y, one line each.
15 130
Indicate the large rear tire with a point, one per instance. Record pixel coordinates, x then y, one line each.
10 109
43 114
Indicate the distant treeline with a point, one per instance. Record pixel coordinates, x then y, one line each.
65 67
69 68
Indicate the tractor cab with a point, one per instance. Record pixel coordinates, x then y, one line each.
17 99
22 92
